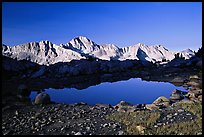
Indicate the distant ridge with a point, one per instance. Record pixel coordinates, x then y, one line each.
45 52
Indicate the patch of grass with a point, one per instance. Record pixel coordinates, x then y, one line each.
148 119
193 107
134 119
183 128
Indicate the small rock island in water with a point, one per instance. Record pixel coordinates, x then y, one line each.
82 63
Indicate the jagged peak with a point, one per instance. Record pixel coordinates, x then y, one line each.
45 41
79 42
35 42
187 50
141 44
81 38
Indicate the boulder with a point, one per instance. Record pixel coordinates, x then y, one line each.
200 98
123 106
176 95
152 107
193 77
162 101
121 109
194 96
124 103
42 98
190 95
195 91
195 84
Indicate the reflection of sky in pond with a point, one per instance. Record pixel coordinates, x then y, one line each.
134 91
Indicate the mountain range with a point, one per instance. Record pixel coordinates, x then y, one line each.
45 52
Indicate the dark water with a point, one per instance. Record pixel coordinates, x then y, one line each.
134 91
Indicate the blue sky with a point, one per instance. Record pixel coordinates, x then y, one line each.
175 25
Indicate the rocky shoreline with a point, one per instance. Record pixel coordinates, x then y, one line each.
26 118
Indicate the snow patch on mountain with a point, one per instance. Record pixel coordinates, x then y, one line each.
43 53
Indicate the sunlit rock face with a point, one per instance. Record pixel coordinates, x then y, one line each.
148 53
188 53
86 46
45 52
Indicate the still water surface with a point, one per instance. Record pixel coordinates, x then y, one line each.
134 91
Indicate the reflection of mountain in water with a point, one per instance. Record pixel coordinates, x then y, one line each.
81 82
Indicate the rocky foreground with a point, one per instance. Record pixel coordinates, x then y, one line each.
184 118
60 119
